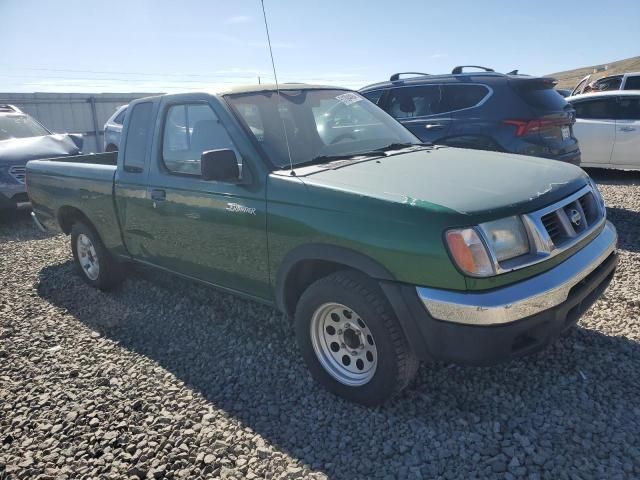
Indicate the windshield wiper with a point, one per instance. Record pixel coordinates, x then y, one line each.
378 152
400 146
333 158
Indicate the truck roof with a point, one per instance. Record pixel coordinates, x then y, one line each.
239 89
271 87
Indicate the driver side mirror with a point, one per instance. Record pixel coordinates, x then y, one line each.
221 165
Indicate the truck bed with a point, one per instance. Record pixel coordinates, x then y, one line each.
107 158
83 183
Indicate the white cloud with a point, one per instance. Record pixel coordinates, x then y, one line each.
439 55
238 19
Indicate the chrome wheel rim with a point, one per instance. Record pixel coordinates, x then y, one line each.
88 257
343 344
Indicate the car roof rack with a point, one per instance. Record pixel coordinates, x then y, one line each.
5 107
396 76
458 70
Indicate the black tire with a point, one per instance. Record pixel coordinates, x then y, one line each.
396 362
110 271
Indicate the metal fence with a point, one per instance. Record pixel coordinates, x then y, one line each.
84 113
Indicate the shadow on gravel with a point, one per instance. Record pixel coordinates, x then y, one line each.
614 177
241 356
627 223
18 226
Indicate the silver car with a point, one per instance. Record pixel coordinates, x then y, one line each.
113 129
608 128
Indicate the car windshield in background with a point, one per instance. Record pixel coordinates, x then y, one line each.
319 124
20 126
543 98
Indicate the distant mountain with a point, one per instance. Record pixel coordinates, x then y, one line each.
569 78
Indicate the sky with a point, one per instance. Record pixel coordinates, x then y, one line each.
184 45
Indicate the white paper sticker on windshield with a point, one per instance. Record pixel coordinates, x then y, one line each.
349 98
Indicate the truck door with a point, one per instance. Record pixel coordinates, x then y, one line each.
420 109
210 230
130 187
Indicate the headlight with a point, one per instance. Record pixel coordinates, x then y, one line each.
472 248
507 238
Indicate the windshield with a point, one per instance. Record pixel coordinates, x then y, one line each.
318 123
20 126
543 98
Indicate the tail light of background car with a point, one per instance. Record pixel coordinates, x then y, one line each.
530 127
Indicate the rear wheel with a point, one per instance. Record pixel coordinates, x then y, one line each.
351 340
95 264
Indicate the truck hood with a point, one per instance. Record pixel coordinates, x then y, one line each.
18 151
462 180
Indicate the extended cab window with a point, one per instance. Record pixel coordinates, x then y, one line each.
136 144
190 130
595 109
408 102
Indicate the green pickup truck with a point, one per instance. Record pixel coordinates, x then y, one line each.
383 250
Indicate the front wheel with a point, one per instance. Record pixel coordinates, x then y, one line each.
351 339
94 262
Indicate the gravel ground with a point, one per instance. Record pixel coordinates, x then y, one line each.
166 379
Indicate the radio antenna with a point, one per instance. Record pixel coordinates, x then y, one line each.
275 75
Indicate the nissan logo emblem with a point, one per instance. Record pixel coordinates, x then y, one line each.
575 217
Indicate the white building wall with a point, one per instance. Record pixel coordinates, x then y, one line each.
73 112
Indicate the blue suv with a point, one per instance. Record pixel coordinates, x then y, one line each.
484 110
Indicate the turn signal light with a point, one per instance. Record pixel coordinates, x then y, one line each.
469 252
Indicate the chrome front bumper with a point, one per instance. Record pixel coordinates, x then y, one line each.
525 298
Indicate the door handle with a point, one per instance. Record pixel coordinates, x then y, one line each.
627 129
433 126
158 195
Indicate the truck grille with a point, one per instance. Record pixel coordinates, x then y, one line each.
556 228
18 173
552 225
571 219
